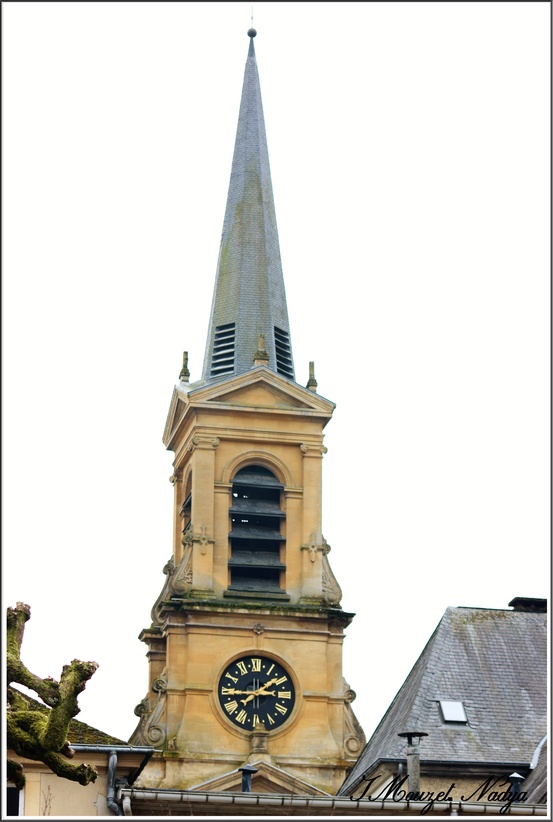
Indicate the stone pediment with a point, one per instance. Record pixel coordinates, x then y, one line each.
268 779
259 388
177 410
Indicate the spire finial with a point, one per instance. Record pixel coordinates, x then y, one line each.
261 357
312 382
185 373
251 31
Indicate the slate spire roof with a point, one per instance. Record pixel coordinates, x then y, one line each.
249 316
492 661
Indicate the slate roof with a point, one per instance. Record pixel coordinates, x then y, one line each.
249 288
494 661
78 733
535 784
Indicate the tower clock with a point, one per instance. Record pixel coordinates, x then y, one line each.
256 689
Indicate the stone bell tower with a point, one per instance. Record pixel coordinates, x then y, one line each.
245 645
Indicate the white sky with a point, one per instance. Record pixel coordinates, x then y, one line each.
409 147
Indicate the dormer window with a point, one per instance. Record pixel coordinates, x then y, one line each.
453 712
257 545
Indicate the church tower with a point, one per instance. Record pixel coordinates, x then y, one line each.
245 645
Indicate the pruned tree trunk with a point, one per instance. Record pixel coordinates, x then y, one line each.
33 734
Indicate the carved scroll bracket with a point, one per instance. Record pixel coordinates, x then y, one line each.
354 740
178 581
151 728
332 592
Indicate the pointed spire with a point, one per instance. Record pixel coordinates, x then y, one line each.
249 299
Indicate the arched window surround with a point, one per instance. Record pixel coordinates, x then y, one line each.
257 531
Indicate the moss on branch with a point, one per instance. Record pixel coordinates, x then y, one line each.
35 735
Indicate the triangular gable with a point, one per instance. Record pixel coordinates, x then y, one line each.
268 779
258 388
176 412
262 386
262 395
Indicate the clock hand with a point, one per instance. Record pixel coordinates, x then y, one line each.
268 683
235 691
259 692
262 691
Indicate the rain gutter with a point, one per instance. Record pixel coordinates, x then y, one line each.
311 805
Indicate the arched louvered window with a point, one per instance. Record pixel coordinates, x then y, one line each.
256 541
186 510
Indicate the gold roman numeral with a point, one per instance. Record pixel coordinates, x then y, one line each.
256 664
270 669
283 694
281 709
271 720
231 706
242 667
234 678
241 717
227 690
281 680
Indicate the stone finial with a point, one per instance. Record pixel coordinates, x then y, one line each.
261 357
312 382
184 375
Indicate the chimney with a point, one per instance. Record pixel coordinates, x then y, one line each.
536 606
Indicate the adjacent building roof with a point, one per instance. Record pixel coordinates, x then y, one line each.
535 784
78 733
249 298
488 666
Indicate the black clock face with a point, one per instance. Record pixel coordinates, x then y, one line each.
256 689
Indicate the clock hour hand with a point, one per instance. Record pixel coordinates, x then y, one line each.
259 692
234 691
262 691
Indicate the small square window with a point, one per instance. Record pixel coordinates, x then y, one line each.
453 711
